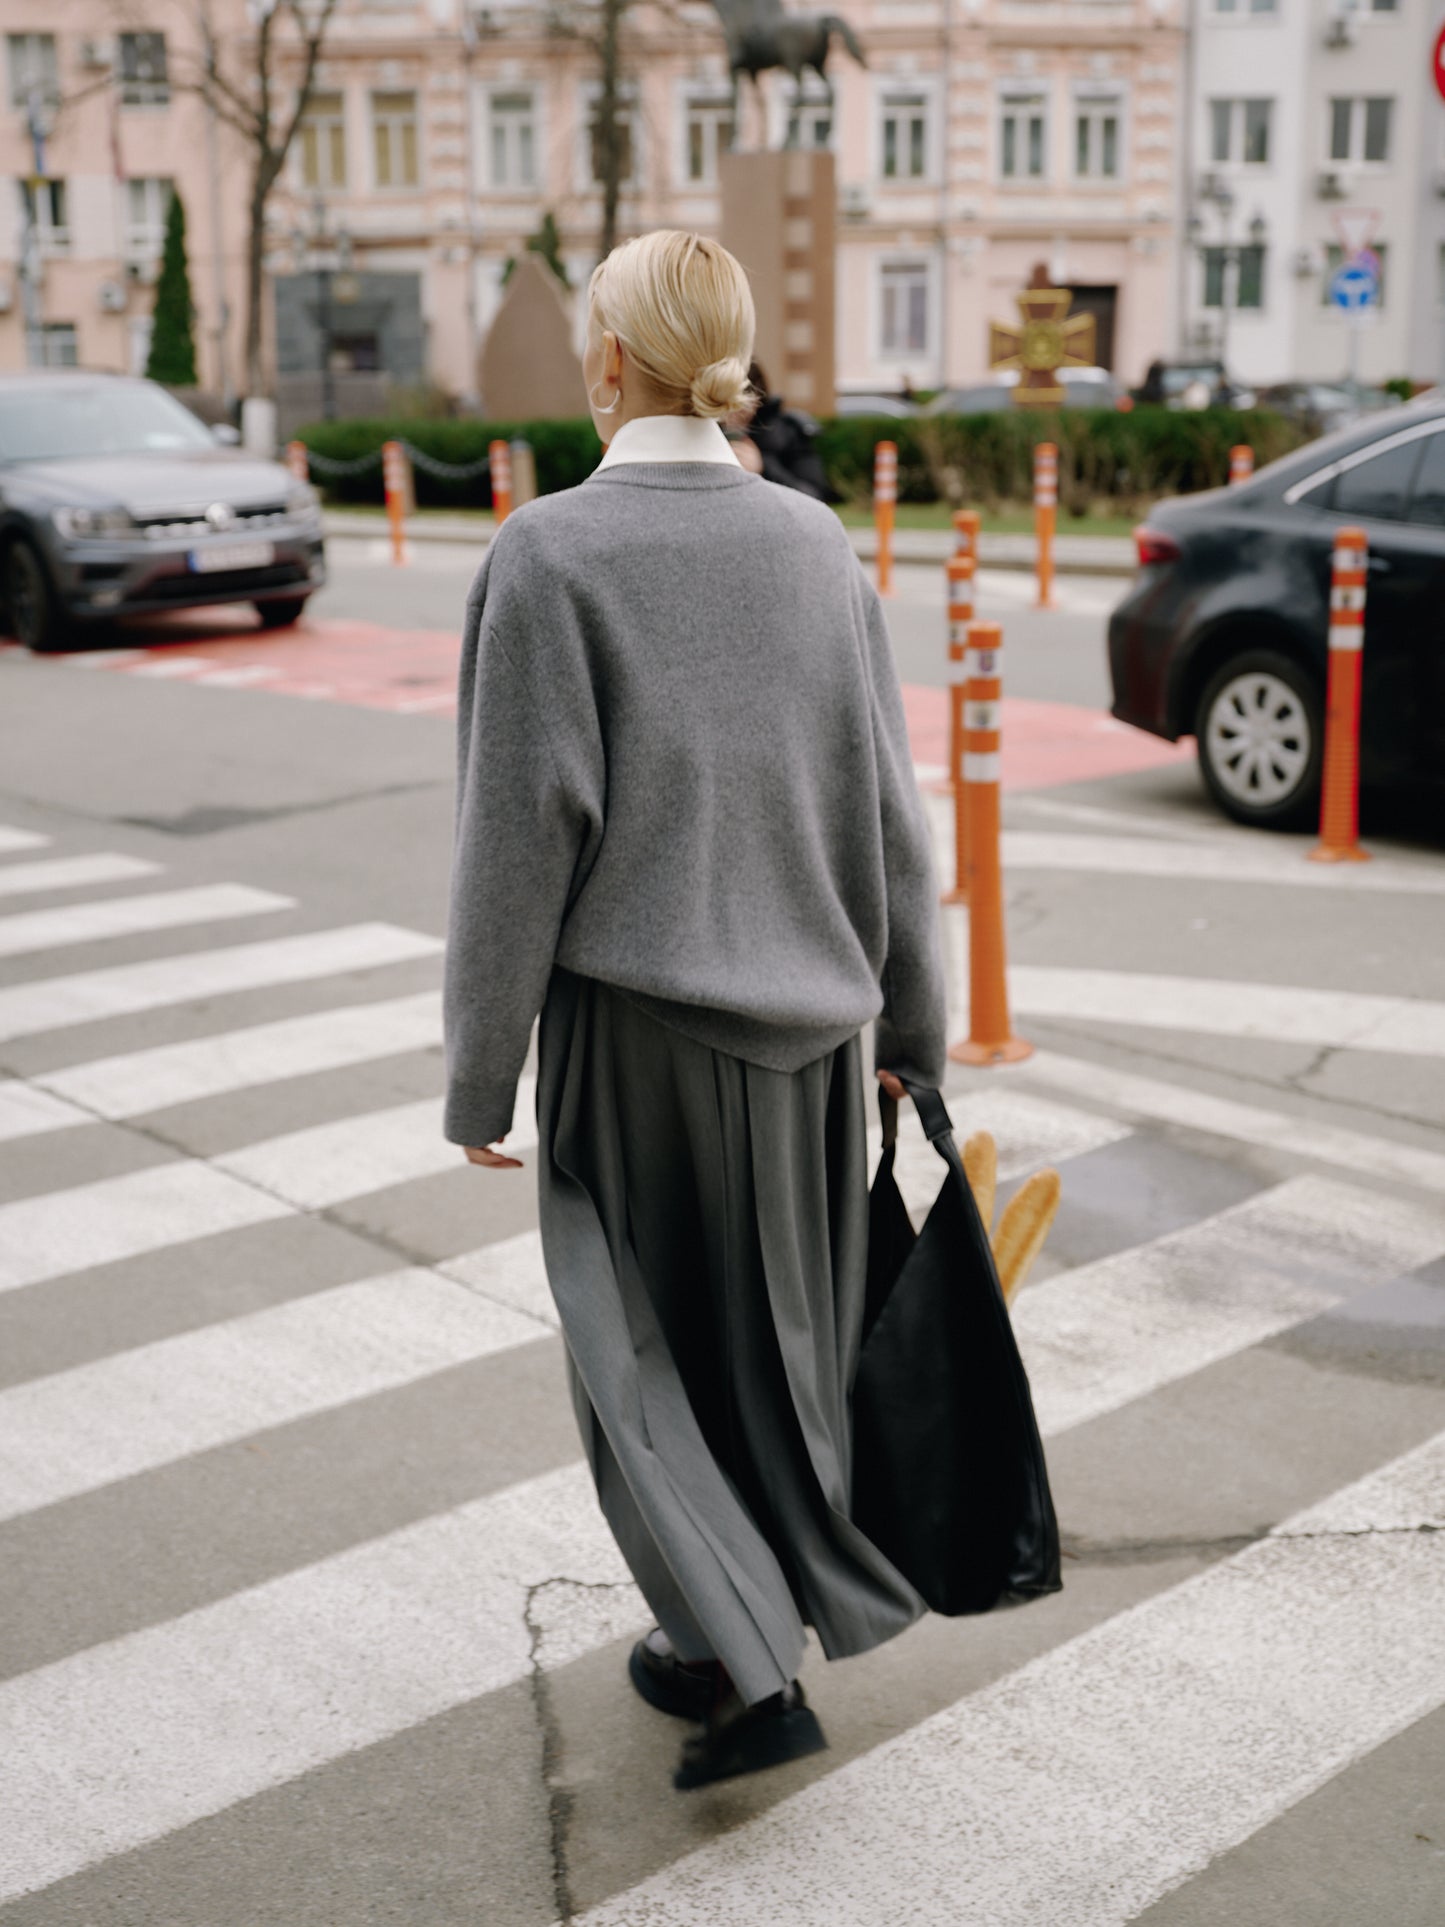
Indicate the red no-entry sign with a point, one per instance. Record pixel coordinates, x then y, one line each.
1437 65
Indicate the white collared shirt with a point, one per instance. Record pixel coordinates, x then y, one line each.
668 438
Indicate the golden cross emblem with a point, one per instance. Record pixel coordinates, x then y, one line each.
1045 340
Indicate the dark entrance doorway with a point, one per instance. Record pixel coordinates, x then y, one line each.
1102 303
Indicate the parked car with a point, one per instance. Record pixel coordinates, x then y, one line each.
1321 406
1083 388
895 407
115 500
1193 384
1224 634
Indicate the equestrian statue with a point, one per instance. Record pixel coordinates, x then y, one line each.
760 35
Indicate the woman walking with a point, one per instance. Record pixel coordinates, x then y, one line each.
689 836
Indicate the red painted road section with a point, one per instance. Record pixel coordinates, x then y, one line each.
413 672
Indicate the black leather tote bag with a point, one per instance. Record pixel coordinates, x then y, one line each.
949 1480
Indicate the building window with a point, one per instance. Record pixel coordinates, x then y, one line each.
393 139
1023 128
1380 6
1244 6
58 347
147 203
31 62
1360 128
1249 280
810 123
44 203
903 322
144 80
708 131
321 138
623 132
138 332
904 136
512 146
1335 259
1096 139
1239 132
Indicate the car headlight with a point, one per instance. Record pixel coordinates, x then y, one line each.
302 499
80 523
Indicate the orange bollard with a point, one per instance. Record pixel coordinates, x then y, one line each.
960 615
396 480
965 530
297 462
885 496
1340 791
990 1038
1241 464
1046 509
500 458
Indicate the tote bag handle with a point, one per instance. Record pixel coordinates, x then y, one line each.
932 1115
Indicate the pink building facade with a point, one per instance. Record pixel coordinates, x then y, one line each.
983 137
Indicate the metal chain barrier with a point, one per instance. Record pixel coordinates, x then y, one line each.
444 471
328 465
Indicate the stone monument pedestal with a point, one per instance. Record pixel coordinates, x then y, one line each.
779 217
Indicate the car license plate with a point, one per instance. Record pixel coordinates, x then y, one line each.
223 556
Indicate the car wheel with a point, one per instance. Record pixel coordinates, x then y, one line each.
1260 736
280 615
30 608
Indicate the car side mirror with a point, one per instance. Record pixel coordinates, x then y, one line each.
226 435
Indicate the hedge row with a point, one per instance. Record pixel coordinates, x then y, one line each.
1104 455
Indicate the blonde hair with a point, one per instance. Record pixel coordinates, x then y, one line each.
682 306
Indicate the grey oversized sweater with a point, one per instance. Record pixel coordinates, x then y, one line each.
684 771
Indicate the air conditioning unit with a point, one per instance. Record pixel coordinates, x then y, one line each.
112 296
97 53
1333 185
1340 31
147 272
855 201
1303 262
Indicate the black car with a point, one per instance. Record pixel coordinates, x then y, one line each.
1224 633
115 500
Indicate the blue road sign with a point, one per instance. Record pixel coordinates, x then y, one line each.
1355 286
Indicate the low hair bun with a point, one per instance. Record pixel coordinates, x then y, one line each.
721 388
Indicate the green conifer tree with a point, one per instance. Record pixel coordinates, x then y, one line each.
173 342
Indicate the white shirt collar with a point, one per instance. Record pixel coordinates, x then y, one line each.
668 438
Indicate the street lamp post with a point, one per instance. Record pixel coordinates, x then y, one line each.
321 244
1219 194
31 294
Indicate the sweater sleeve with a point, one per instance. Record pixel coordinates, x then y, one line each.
910 1033
529 811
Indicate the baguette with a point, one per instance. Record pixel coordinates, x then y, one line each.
1023 1227
980 1164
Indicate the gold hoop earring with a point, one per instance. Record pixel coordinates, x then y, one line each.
612 406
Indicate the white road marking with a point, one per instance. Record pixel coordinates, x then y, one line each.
164 667
1246 1123
1266 863
119 1416
1219 1007
129 1740
122 990
12 839
330 1163
96 1224
1107 1333
1084 1786
234 1060
512 1272
129 916
70 872
241 677
102 658
26 1111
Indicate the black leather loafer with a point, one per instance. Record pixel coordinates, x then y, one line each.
748 1739
687 1689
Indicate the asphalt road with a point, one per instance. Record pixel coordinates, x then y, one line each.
306 1617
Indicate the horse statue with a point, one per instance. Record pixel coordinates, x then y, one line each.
760 35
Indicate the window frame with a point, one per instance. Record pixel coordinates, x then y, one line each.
1307 484
1359 105
1236 158
1212 251
510 124
395 119
630 111
60 332
1092 104
138 89
900 101
52 237
709 110
143 241
331 125
1012 97
887 268
49 83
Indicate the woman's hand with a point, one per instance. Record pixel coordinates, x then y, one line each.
890 1084
492 1160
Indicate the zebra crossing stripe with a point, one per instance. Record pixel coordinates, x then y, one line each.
510 1271
125 989
1096 1338
129 1740
1247 1123
115 1218
26 1111
70 872
331 1163
119 1416
13 839
1084 1786
149 1080
1147 856
129 916
1217 1007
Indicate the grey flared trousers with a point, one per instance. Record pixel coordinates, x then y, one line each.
704 1225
